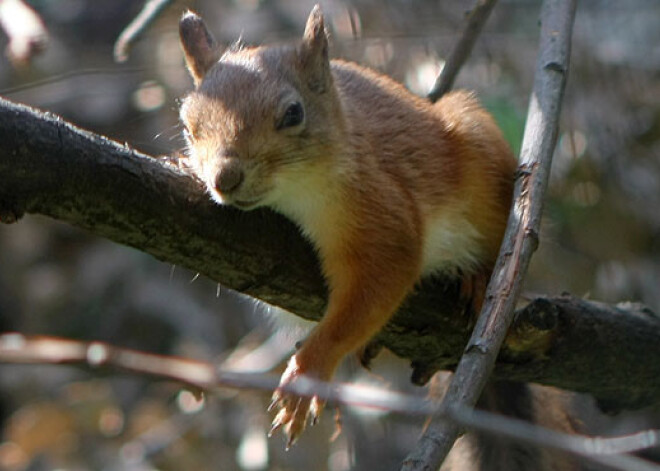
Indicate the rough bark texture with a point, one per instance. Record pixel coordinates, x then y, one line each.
564 340
49 167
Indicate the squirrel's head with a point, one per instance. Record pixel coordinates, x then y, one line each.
259 117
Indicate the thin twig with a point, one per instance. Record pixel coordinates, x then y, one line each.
521 237
17 348
476 19
151 10
70 75
588 449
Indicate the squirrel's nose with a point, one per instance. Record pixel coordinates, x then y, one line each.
229 176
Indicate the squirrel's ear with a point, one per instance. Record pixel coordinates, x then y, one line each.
314 53
199 46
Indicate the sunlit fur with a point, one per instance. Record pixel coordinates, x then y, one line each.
386 185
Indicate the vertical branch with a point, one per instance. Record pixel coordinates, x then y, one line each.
521 237
477 18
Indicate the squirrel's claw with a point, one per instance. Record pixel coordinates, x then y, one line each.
292 415
293 411
315 409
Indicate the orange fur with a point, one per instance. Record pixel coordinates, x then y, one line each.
386 185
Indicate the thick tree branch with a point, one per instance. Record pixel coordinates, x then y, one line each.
49 167
520 239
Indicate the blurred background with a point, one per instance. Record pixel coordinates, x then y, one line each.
600 239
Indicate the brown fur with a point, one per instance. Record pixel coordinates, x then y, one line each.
386 185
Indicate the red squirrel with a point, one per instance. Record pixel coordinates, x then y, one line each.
387 186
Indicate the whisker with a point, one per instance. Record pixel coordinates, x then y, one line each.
166 130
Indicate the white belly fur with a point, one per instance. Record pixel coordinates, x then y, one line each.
451 242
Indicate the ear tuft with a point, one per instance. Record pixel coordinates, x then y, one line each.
314 52
315 28
199 47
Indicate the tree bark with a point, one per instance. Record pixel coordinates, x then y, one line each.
49 167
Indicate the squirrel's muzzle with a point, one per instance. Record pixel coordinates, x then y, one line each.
230 176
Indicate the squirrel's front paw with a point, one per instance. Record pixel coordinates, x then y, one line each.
292 410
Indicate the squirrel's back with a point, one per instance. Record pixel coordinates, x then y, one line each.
449 155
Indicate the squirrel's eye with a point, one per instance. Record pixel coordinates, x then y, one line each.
293 116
